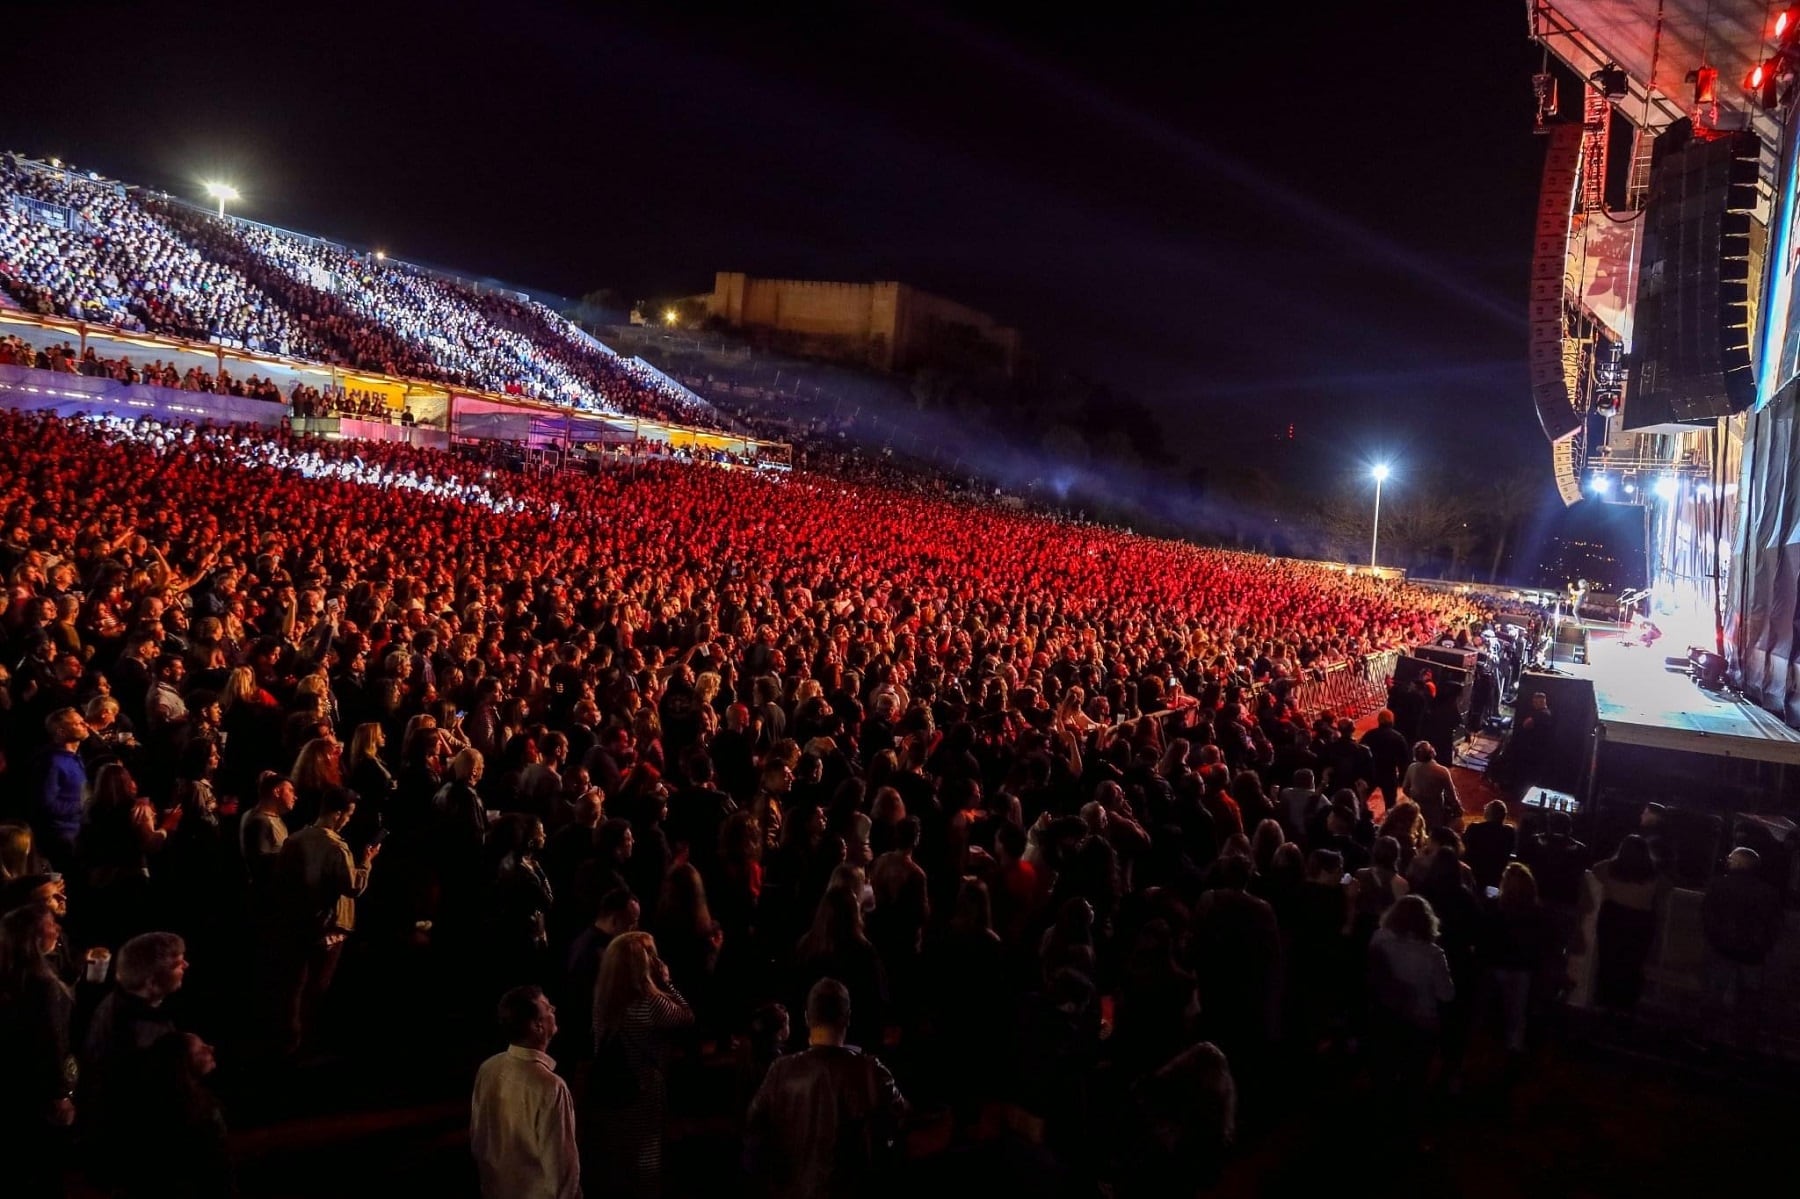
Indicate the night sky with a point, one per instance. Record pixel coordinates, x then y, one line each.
1316 213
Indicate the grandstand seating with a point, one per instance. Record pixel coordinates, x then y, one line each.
94 250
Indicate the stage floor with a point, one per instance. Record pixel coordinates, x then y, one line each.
1643 702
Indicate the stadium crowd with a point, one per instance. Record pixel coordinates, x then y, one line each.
735 773
63 358
95 250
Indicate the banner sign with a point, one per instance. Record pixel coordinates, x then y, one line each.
389 394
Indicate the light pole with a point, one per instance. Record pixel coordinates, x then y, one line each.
222 192
1381 473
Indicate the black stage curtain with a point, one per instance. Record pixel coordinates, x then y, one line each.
1761 602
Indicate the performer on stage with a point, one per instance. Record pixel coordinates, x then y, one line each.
1577 592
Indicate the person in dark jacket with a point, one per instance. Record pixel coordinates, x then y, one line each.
825 1119
178 1140
1488 845
37 1086
1392 754
1515 946
131 1019
1741 917
1237 946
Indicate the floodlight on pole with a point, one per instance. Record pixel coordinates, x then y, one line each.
1380 473
222 192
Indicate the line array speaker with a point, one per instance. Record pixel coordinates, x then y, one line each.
1690 358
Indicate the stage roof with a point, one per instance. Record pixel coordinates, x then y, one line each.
1731 35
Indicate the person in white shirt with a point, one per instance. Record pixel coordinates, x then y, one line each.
522 1118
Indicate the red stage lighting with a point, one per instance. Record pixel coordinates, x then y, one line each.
1761 80
1787 22
1706 84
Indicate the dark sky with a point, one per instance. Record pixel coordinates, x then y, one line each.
1310 212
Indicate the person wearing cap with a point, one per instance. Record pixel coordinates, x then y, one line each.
1741 917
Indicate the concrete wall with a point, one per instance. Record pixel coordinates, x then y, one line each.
890 325
927 320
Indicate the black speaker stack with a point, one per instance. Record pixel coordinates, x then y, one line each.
1690 357
1572 705
1569 644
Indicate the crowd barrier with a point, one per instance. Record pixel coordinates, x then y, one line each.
349 428
1349 688
33 390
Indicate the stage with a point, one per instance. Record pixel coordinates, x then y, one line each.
1643 702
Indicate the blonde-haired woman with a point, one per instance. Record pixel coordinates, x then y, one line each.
706 686
367 775
240 687
252 723
1069 713
636 1009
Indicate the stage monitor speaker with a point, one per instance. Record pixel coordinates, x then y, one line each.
1407 669
1569 644
1462 659
1571 703
1690 357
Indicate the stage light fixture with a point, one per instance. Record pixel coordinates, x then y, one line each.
1787 23
1761 81
1630 487
1706 84
1667 487
1612 81
1600 484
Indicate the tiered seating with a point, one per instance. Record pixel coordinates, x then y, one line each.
144 262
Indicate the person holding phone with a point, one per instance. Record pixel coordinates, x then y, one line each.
317 882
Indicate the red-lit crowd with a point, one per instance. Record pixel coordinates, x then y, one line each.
834 793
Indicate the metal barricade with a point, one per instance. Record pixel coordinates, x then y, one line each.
1351 688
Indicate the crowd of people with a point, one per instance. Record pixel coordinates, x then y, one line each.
64 358
113 263
863 799
94 250
303 399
